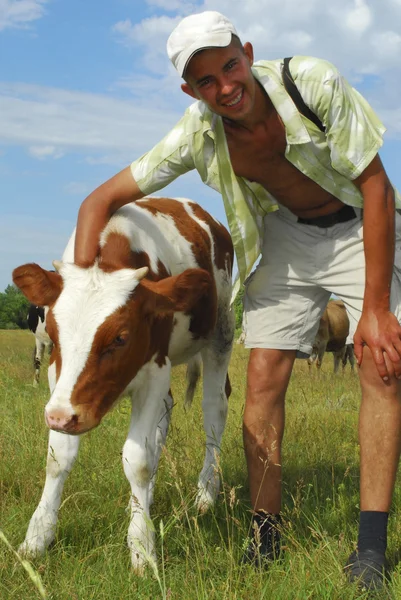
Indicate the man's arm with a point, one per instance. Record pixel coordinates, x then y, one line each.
378 328
96 210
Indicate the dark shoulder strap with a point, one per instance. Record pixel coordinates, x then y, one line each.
296 96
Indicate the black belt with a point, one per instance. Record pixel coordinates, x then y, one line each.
346 213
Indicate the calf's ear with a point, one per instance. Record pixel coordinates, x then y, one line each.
179 293
41 287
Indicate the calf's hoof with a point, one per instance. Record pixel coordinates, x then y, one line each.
204 501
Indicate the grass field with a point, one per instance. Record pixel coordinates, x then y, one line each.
198 556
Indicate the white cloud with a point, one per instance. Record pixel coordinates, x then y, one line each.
143 32
50 122
151 34
19 13
359 18
387 43
180 6
77 188
42 152
299 40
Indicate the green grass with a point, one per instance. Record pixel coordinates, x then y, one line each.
198 556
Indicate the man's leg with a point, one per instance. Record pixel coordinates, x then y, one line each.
282 308
268 376
380 445
379 436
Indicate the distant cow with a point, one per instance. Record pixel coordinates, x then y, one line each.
332 337
157 296
37 324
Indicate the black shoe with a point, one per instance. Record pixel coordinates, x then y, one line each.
368 568
263 553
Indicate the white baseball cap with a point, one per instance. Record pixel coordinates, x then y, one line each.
209 29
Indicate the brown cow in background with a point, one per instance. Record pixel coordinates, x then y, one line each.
332 336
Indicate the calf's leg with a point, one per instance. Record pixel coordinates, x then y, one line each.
214 405
216 390
161 435
140 456
61 455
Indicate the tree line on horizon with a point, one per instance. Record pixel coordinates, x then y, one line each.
13 309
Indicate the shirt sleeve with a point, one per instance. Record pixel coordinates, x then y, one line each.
354 133
169 159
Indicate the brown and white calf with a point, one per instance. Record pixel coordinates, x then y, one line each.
37 324
332 337
158 295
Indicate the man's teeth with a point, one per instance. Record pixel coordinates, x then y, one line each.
235 101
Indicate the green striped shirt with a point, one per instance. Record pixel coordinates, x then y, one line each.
332 159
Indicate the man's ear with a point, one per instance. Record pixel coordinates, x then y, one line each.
186 88
248 51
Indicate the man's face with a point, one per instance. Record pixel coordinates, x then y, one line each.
222 78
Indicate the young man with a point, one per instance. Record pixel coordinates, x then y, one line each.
294 193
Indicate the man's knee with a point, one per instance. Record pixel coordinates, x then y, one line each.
372 385
269 370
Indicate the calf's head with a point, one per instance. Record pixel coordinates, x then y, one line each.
104 326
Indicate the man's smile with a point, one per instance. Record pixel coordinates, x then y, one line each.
235 100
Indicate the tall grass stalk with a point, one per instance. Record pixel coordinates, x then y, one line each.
33 575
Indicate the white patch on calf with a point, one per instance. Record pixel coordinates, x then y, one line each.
136 232
204 226
157 235
178 251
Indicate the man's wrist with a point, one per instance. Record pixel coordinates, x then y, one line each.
376 306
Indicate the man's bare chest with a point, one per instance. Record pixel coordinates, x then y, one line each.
261 157
257 161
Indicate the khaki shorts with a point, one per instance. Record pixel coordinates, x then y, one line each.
301 266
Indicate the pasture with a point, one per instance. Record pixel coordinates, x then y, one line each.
198 556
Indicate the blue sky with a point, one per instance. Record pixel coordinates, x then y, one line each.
86 87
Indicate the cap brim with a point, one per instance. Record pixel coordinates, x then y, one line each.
212 40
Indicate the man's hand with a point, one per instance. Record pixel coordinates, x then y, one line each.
381 332
378 328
